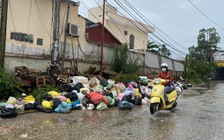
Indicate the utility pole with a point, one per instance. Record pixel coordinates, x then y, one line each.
56 25
186 68
3 29
65 35
102 37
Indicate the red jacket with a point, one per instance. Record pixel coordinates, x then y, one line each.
166 75
97 98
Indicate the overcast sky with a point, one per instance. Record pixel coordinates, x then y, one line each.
177 18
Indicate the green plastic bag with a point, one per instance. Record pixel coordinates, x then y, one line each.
110 101
101 106
2 104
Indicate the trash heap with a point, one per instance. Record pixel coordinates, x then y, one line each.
82 93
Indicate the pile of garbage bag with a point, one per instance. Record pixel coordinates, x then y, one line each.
82 94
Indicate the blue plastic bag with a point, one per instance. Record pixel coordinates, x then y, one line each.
64 107
77 102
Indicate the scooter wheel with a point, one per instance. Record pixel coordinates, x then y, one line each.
175 104
154 107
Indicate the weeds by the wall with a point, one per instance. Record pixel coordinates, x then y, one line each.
8 85
123 62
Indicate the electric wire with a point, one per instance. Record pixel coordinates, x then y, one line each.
159 39
135 27
79 45
146 21
28 21
128 11
189 16
125 9
13 23
41 19
137 38
112 20
116 26
205 15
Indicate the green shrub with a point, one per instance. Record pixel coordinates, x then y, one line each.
125 78
196 81
124 62
39 92
8 85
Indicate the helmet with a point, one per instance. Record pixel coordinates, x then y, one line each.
164 65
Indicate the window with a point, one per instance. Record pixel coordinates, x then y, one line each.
12 35
125 32
23 37
40 41
131 41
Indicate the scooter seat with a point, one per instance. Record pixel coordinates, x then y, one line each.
171 89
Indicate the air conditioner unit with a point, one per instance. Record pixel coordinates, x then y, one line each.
73 30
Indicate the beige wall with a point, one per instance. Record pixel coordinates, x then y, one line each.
118 24
22 18
38 22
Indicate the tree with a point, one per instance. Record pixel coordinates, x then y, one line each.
199 64
158 49
208 40
152 47
164 51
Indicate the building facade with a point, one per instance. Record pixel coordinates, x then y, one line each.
128 31
29 38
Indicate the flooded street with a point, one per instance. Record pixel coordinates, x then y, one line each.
199 115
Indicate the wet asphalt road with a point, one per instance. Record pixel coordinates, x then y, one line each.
199 116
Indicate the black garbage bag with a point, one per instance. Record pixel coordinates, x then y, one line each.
29 106
78 86
47 97
109 94
104 83
86 101
39 107
138 100
116 101
56 102
124 105
72 96
77 108
128 98
67 88
6 112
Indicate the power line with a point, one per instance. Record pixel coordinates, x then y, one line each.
129 12
13 23
112 20
31 3
117 27
176 5
107 15
134 26
41 19
98 3
205 14
146 20
162 44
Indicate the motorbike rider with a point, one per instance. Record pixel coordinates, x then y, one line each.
168 76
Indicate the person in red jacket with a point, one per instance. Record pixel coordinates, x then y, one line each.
168 76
